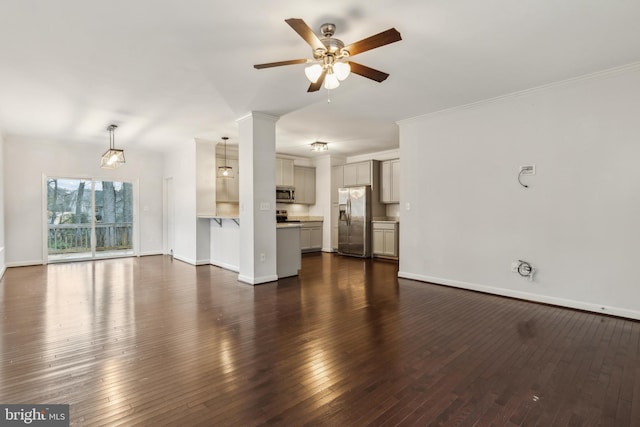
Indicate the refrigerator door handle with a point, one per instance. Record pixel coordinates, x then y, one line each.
348 211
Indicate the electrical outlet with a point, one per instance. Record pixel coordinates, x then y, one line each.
514 266
528 170
262 257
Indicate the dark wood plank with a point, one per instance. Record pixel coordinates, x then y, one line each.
152 341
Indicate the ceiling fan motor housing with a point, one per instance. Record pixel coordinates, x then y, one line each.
332 46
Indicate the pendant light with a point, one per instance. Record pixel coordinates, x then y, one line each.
113 157
225 171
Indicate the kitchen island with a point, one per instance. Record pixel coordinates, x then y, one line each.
289 254
224 244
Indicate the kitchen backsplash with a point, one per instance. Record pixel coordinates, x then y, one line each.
293 209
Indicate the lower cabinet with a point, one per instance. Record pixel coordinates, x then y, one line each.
385 239
311 236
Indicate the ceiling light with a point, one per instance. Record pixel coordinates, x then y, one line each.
225 171
313 72
113 157
319 146
335 72
331 81
341 70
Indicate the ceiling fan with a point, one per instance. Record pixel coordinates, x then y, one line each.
330 63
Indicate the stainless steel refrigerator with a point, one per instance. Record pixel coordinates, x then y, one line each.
354 221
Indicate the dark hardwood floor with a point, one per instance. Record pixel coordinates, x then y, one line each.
150 341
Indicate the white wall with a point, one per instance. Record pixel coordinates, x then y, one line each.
25 162
323 199
2 185
180 164
225 244
577 223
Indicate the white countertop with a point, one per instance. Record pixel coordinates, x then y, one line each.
288 225
306 218
213 216
387 220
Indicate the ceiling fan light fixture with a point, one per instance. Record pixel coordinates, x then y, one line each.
341 70
113 157
331 81
313 72
319 146
330 55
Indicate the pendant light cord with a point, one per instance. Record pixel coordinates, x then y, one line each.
224 138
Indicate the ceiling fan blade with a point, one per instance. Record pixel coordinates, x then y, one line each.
314 87
368 72
386 37
300 27
281 63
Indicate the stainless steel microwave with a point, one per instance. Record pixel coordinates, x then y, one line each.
285 194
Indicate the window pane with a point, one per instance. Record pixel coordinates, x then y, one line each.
114 217
69 217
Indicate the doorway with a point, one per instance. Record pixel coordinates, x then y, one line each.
88 219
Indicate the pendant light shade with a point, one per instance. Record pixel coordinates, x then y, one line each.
113 157
331 81
313 72
341 70
225 171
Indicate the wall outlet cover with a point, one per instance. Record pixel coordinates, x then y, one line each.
528 170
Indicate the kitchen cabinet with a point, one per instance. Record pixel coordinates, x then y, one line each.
385 239
358 174
288 255
311 236
228 190
304 180
390 181
284 171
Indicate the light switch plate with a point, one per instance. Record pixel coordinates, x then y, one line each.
264 206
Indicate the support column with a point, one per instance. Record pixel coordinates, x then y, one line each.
256 155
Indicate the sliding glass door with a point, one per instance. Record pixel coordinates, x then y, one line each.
88 219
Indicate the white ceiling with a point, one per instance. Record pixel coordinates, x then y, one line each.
170 71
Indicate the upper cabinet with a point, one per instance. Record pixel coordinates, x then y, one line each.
284 171
354 174
358 174
304 180
390 185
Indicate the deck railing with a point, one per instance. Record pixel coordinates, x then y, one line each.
74 238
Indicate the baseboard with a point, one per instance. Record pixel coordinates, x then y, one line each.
545 299
257 280
3 267
184 259
203 262
25 263
226 266
151 253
